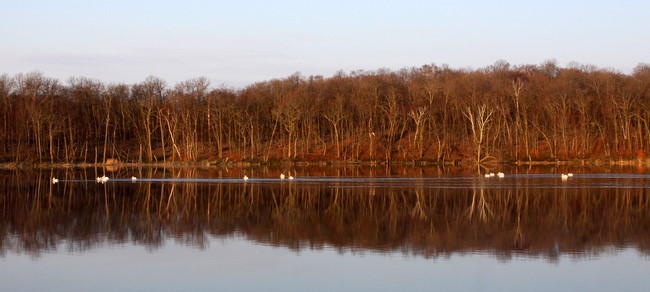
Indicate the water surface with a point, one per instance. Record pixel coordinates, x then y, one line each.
328 229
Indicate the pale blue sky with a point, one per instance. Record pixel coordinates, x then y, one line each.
237 43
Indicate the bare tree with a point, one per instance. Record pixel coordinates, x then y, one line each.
418 117
479 118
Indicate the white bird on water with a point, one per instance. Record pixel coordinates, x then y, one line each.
569 174
101 179
55 180
487 175
245 177
564 176
282 176
290 177
501 174
133 178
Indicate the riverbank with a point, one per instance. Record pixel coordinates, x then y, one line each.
641 162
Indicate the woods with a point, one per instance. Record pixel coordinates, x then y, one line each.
431 113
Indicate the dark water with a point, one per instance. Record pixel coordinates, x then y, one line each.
328 229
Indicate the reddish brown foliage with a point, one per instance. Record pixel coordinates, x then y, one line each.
434 113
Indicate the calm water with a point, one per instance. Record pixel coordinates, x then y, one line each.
205 229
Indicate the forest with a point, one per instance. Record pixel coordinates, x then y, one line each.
427 114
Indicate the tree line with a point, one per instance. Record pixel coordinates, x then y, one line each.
501 112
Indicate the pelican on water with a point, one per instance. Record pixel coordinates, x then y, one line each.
133 178
564 176
55 180
501 174
245 177
282 176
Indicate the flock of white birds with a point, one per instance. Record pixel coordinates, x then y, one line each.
103 179
282 176
564 176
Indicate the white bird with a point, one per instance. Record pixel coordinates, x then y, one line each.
282 176
564 176
487 175
491 174
500 174
133 178
245 177
98 179
104 179
569 174
290 177
55 180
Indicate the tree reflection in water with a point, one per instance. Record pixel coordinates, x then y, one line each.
429 222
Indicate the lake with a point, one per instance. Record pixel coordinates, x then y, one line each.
331 228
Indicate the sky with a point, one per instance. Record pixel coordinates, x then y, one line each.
237 43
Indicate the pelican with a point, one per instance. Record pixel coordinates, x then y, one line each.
290 177
245 177
133 178
500 174
98 179
487 175
564 176
282 176
569 174
55 180
491 174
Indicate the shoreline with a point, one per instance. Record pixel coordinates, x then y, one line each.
333 163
